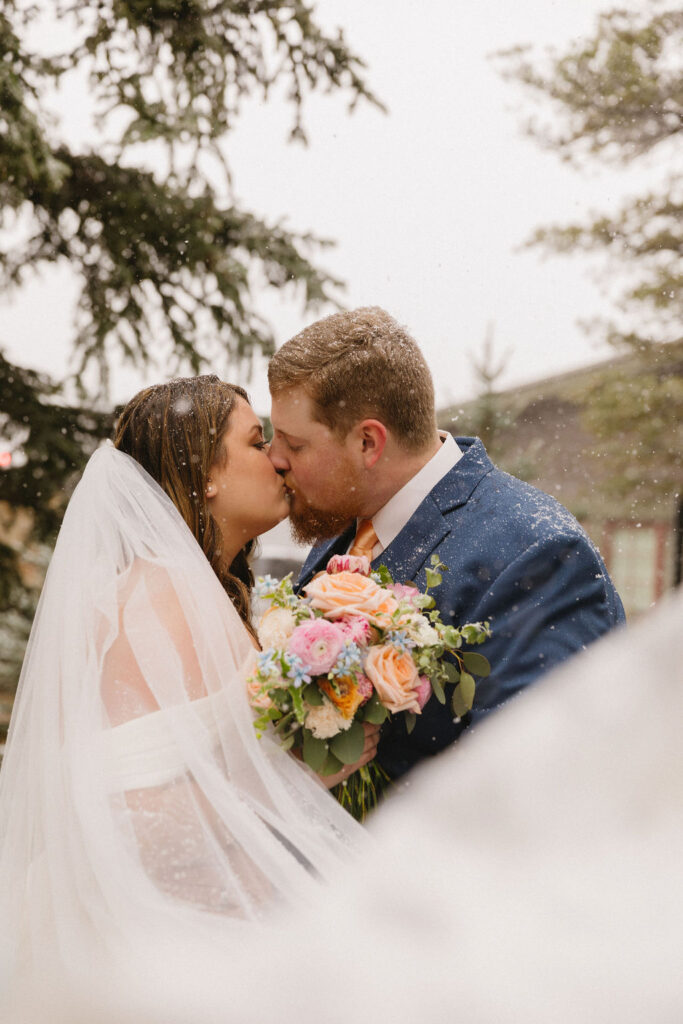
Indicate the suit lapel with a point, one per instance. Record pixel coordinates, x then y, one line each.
409 551
427 527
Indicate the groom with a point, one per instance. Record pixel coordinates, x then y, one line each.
355 437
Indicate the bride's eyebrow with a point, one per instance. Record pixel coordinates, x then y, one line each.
256 430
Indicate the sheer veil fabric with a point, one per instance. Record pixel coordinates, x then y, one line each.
136 801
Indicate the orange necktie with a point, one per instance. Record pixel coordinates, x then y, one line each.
365 539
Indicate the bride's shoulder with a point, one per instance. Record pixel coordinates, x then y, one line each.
157 578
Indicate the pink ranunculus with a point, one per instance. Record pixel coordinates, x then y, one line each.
365 688
402 592
355 628
423 692
318 644
349 563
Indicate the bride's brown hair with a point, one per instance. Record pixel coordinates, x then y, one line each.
175 432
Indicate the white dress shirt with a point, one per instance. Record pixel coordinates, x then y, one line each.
393 516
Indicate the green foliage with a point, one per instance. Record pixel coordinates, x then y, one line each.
348 746
374 711
487 420
54 441
314 751
166 260
618 96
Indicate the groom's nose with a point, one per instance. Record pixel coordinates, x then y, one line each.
278 457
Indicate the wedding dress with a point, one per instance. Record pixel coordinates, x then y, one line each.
137 804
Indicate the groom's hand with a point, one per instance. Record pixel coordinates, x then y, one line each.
369 751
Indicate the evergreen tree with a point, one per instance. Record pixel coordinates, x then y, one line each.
167 260
488 419
618 97
164 256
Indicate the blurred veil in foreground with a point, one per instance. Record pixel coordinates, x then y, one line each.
531 874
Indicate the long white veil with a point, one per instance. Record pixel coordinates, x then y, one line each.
135 797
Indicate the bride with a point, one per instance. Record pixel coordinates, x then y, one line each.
136 802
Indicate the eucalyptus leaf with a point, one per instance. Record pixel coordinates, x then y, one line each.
463 695
332 765
287 742
348 746
314 751
476 663
438 690
384 575
313 696
410 719
458 704
434 579
451 672
374 711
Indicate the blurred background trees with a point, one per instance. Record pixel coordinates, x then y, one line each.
618 97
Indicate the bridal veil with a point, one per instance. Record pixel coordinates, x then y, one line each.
135 797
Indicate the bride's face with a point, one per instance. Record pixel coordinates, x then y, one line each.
246 496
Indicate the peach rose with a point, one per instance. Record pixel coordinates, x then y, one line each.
394 675
349 593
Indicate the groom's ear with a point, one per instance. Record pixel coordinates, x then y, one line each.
372 438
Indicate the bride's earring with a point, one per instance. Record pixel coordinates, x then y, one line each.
210 489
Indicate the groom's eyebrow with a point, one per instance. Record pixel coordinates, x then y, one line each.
287 437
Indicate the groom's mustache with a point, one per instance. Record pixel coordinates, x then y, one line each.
312 525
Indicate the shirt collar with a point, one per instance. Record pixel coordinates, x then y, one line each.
393 516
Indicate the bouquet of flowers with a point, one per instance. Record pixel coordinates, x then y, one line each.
356 647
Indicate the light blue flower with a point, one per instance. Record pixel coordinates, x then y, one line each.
297 671
399 639
265 585
266 659
348 662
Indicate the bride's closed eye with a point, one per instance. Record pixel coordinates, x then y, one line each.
262 445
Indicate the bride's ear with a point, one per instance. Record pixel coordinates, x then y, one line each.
210 489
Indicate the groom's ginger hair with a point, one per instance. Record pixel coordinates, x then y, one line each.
175 431
360 364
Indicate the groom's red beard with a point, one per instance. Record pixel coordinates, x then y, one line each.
311 525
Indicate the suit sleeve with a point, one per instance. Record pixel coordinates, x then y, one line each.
549 603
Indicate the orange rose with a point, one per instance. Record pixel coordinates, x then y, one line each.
348 700
349 593
394 675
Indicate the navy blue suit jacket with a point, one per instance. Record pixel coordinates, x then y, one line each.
516 557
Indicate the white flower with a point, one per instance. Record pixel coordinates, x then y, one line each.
325 721
419 629
276 626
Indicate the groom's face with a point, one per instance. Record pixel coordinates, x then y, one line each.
322 472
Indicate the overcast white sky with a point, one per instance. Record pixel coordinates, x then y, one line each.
428 204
